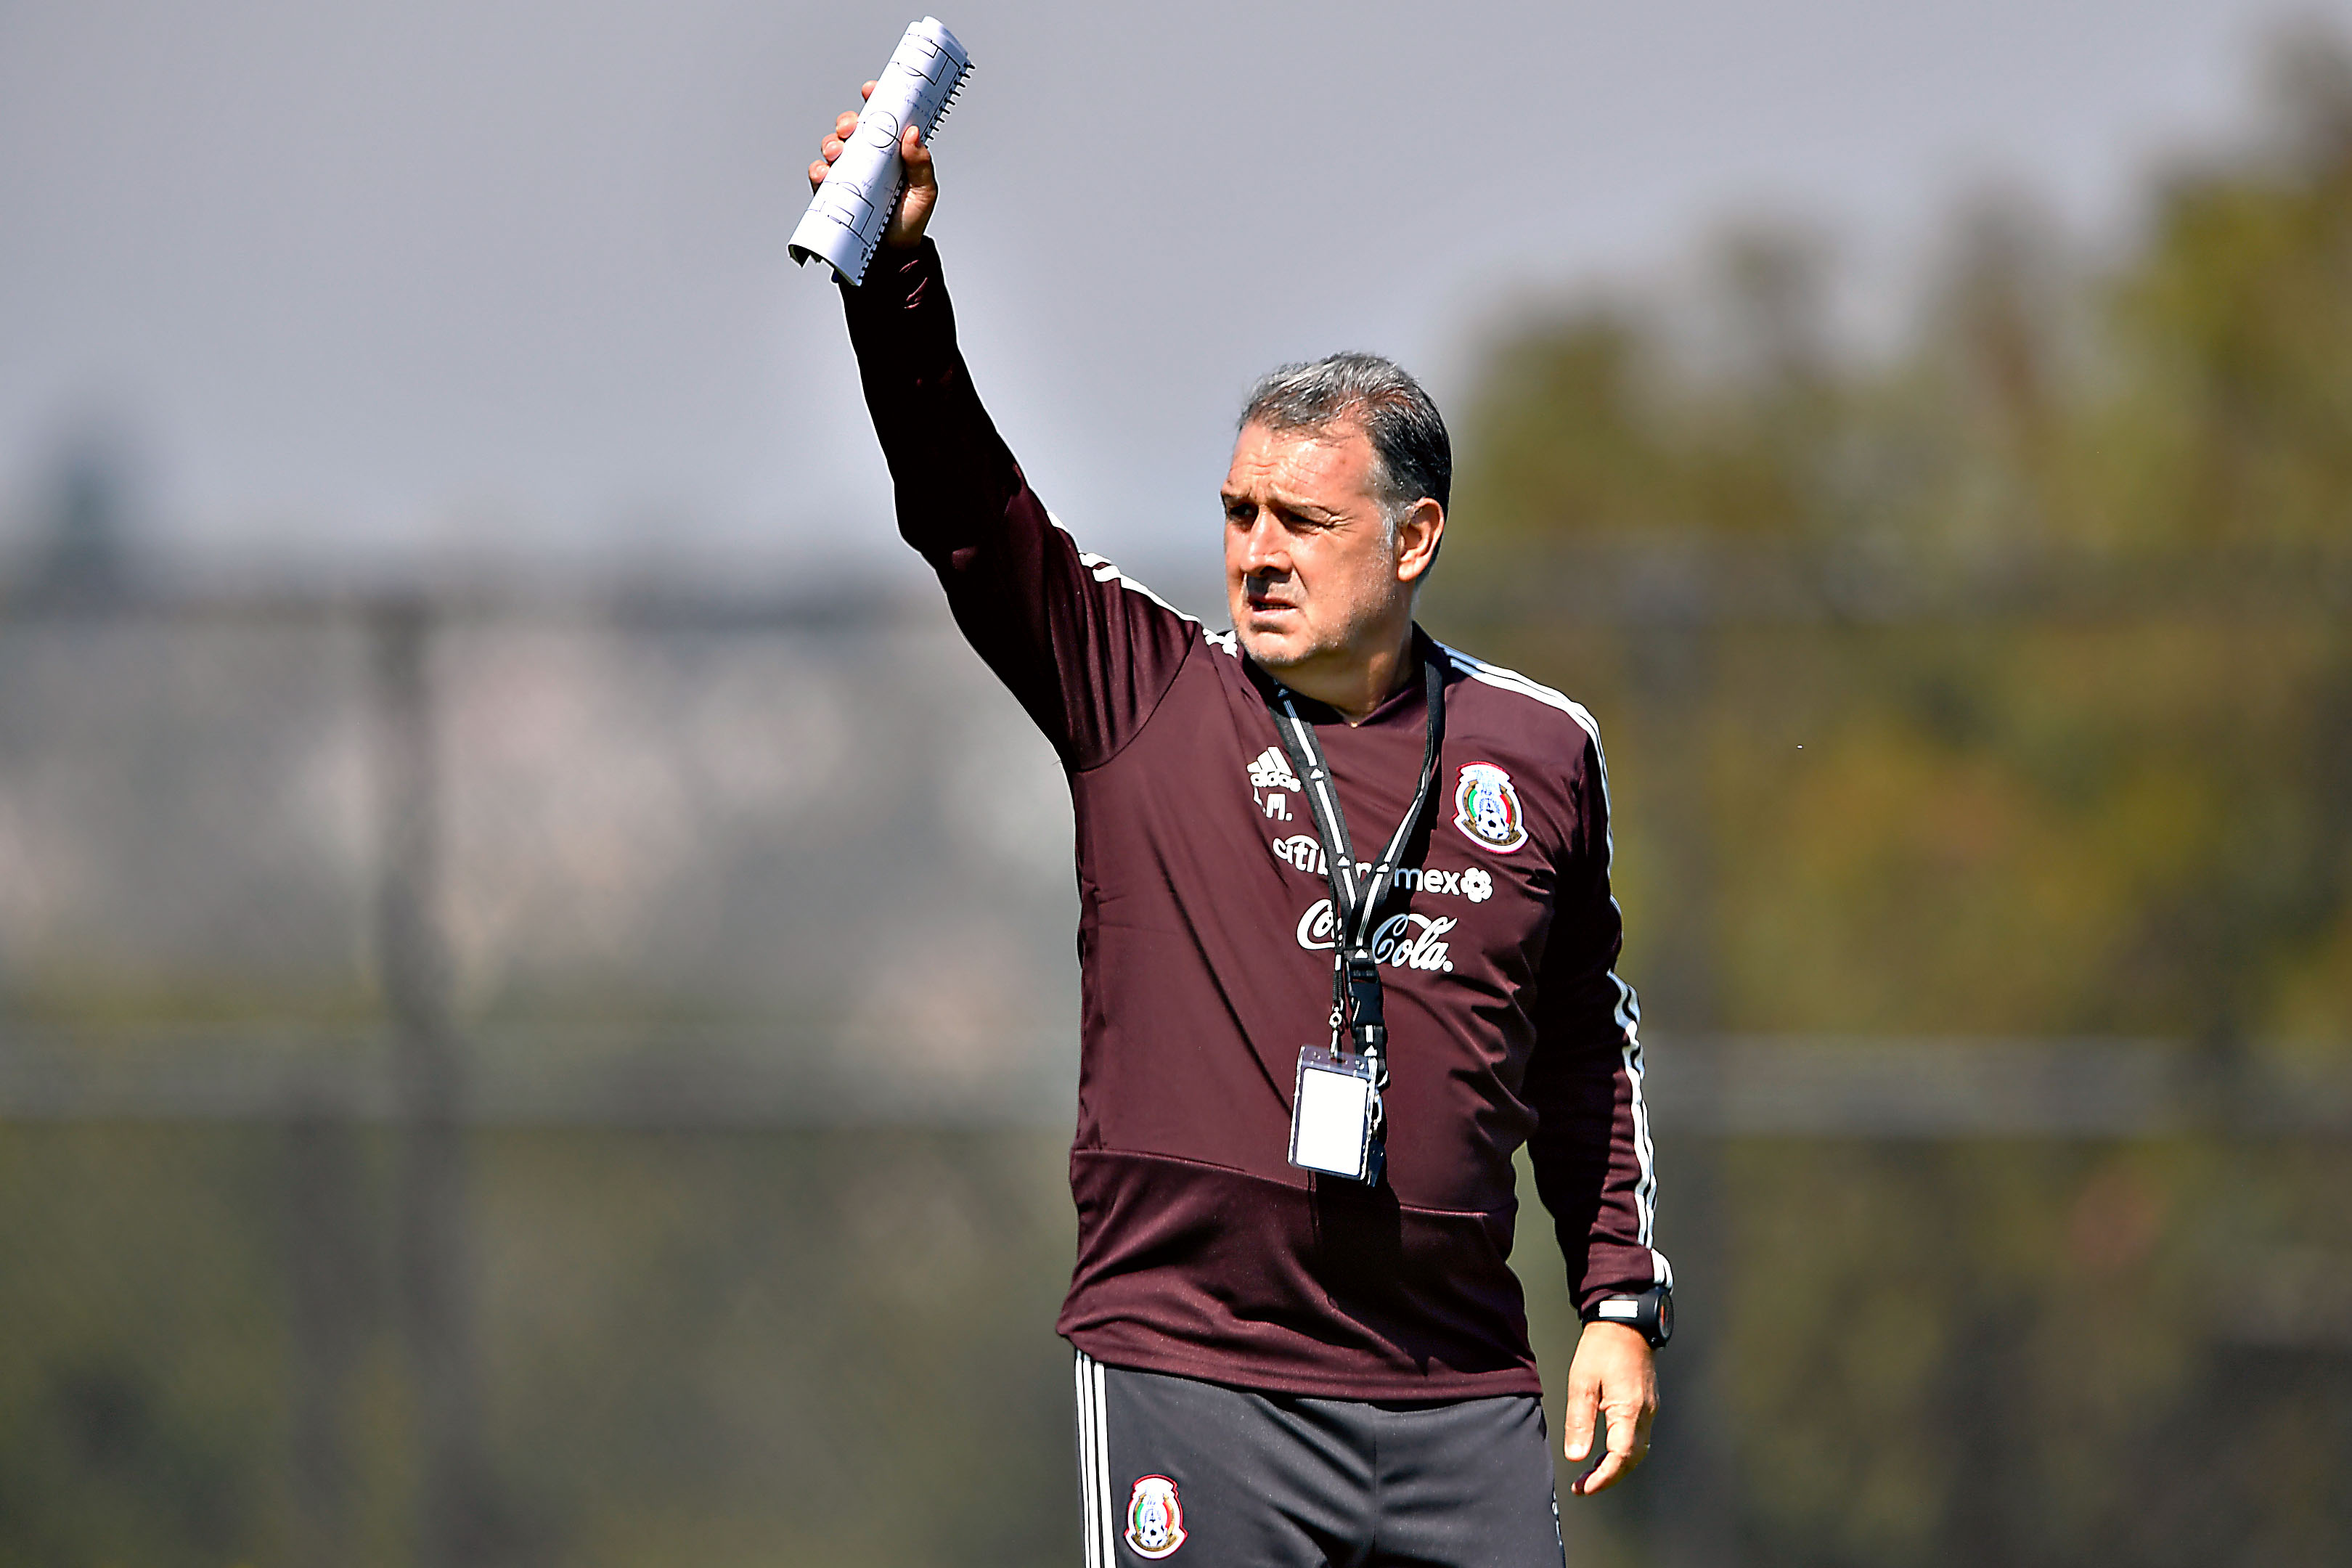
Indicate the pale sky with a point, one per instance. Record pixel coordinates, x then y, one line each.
372 282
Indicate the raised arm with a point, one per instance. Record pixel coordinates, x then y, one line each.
1088 655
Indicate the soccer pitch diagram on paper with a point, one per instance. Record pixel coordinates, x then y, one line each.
843 224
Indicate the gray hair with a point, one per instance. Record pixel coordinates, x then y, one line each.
1408 438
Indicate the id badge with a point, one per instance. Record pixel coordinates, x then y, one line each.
1334 1112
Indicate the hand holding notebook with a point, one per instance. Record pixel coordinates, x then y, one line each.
873 159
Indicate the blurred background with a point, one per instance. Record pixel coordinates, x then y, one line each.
537 1005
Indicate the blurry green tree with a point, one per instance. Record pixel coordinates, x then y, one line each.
2062 638
1996 685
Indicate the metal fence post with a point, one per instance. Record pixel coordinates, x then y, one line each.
456 1523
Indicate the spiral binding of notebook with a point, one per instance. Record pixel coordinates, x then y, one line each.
843 224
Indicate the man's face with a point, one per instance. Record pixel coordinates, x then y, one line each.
1310 574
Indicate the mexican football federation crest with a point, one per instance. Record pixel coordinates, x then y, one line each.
1486 808
1155 1519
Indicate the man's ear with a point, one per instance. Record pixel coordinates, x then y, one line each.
1417 538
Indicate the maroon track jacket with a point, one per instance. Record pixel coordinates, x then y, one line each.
1204 947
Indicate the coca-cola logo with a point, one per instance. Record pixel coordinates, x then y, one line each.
1402 941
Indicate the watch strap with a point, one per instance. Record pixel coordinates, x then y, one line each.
1650 1314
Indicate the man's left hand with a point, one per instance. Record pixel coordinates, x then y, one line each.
1614 1376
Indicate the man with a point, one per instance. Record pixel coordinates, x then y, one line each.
1307 1060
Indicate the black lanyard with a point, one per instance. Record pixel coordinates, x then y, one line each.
1356 900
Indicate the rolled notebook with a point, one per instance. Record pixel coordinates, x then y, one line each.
843 224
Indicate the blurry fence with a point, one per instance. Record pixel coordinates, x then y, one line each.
492 1082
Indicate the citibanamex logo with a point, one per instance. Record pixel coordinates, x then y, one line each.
1301 853
1402 942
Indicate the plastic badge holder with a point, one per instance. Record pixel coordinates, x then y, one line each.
1332 1113
845 221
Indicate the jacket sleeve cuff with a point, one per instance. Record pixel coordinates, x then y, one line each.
1615 1268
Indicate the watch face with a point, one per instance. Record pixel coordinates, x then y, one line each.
1666 1316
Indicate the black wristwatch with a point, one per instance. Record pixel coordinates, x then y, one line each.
1650 1314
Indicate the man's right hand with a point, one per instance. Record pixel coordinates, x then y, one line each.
914 214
